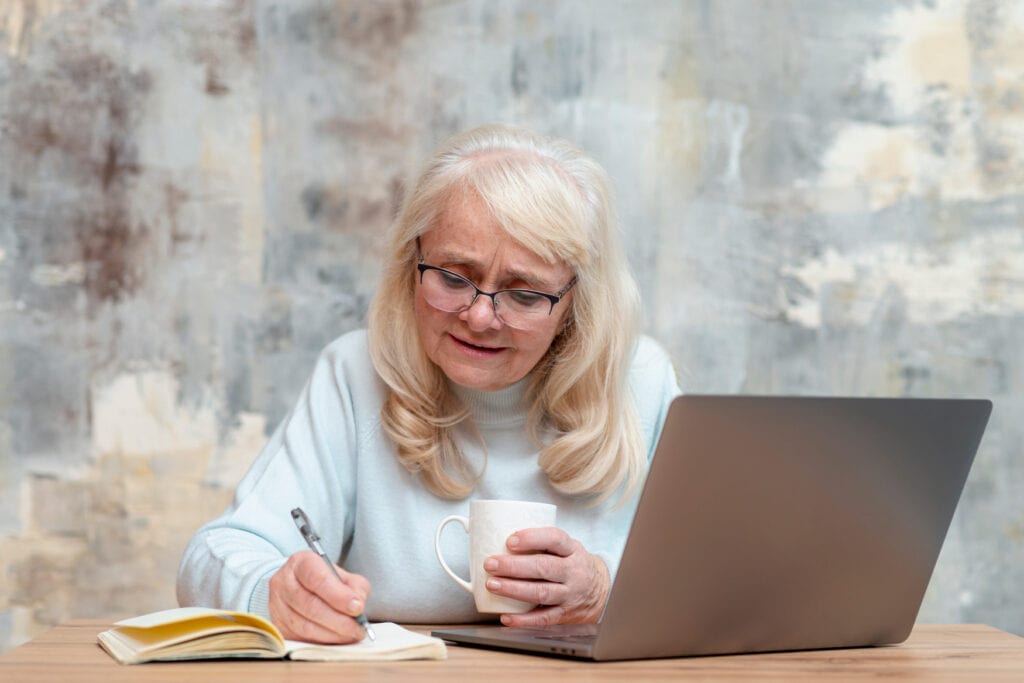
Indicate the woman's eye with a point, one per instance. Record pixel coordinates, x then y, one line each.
523 298
453 281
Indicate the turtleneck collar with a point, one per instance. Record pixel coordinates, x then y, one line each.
504 407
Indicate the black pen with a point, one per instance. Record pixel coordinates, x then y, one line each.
313 541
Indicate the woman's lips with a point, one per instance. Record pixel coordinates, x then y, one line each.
477 350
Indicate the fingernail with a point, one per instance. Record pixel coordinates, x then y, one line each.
513 541
493 584
490 564
355 607
506 619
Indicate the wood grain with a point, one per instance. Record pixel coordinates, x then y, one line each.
970 652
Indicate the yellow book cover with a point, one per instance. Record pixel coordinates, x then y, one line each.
200 633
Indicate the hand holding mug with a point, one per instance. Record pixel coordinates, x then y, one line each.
489 525
525 568
551 569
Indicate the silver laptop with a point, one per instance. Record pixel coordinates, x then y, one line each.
770 523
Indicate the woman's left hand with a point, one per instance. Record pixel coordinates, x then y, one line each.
548 567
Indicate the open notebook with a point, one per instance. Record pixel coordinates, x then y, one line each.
199 633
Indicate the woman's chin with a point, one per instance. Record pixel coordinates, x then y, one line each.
478 381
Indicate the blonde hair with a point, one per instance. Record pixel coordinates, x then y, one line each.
555 200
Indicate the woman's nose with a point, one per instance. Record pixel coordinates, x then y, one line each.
481 315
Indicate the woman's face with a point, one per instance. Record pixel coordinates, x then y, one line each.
474 348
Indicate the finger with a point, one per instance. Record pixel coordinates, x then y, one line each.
310 606
301 615
334 629
542 539
535 592
543 616
539 567
301 628
317 578
357 582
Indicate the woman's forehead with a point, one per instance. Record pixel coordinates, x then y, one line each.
475 239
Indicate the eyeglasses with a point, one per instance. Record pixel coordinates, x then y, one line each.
452 293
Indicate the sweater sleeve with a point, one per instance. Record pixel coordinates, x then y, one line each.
308 463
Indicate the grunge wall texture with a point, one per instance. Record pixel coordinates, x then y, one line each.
818 197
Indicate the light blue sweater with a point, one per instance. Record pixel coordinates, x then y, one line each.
331 457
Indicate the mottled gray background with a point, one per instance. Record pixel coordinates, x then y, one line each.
819 197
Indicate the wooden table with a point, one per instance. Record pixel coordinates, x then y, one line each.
68 653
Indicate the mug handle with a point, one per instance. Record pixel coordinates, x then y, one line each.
437 549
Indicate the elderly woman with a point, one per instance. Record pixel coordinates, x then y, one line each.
501 361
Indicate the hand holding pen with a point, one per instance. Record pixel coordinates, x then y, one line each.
313 541
316 604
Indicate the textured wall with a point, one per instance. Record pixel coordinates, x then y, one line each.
819 197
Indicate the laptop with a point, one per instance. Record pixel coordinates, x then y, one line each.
777 523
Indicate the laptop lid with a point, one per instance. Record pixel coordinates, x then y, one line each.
781 523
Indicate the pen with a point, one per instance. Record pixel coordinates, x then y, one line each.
313 541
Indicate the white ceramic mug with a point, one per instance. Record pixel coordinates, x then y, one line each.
489 525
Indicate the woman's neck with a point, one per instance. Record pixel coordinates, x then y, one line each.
496 408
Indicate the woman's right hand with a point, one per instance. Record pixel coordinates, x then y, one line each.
308 603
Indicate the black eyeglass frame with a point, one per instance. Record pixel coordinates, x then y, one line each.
553 298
